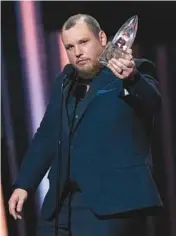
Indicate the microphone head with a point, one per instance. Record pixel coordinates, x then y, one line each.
69 70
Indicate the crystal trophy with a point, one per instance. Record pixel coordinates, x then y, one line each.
122 41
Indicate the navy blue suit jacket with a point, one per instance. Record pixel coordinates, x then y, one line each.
110 147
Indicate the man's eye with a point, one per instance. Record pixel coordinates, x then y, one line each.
69 47
84 42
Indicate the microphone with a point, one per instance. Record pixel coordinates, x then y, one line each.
68 73
68 69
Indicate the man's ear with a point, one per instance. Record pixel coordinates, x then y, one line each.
103 38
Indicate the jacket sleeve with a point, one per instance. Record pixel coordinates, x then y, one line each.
39 155
143 87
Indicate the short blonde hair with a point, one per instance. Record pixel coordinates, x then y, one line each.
92 23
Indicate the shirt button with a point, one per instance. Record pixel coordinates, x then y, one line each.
76 116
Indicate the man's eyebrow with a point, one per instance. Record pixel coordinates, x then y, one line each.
79 41
83 39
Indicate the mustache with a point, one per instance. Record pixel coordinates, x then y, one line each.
82 59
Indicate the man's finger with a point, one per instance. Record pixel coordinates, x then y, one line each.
19 217
12 206
115 66
127 63
120 76
129 50
127 56
20 205
116 63
12 210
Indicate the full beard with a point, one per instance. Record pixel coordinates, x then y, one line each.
89 72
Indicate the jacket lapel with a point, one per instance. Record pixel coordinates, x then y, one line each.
104 79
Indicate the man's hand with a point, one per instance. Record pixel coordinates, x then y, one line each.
16 202
123 68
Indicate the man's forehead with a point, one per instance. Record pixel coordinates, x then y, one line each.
76 33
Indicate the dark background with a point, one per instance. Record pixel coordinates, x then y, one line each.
155 18
156 33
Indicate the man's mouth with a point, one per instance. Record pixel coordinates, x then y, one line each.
82 61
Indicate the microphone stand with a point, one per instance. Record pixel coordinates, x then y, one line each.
59 161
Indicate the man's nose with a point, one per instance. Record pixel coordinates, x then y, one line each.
78 51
